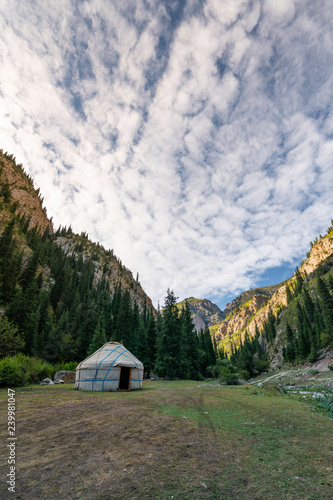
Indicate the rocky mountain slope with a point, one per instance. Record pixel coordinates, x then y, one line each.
19 197
204 312
264 292
17 188
251 316
106 267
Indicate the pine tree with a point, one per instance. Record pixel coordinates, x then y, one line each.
303 340
98 339
289 295
151 344
125 322
326 304
190 349
10 264
11 342
289 353
245 356
299 283
168 359
308 305
141 347
45 324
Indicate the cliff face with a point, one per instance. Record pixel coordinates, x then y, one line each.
238 321
254 314
106 266
17 187
321 252
247 296
204 312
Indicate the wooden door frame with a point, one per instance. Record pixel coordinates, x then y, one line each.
129 378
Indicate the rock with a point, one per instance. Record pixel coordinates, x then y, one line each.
46 381
199 323
204 312
24 193
66 376
239 320
59 382
151 376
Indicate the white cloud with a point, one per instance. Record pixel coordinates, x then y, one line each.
282 11
198 148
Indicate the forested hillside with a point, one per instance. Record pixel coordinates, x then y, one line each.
63 296
293 325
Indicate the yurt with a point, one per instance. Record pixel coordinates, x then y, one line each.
111 368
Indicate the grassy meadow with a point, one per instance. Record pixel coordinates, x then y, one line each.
172 440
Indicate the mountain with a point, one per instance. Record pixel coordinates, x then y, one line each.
59 289
265 292
240 311
296 312
204 313
19 197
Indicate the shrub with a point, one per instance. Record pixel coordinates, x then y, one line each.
21 370
244 374
330 367
325 339
231 378
11 341
326 403
314 371
216 371
223 362
69 366
261 365
12 372
37 370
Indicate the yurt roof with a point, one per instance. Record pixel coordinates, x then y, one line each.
111 354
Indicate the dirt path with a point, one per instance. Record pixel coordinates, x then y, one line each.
277 375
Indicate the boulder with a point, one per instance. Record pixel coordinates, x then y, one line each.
46 381
66 376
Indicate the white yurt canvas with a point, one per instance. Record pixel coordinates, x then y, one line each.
111 368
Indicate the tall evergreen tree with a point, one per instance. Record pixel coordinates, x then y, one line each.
10 264
303 340
190 348
326 304
98 339
299 283
151 344
308 305
168 358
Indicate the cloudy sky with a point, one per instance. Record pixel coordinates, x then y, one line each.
195 138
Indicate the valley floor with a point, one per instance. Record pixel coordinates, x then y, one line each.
173 439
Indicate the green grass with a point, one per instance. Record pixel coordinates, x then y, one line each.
180 439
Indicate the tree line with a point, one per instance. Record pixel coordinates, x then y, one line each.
55 312
310 303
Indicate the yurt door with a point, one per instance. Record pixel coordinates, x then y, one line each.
124 378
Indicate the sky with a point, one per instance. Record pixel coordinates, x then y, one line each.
194 138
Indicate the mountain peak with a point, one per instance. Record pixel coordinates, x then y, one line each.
204 312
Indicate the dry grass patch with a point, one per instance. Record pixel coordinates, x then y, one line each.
180 439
